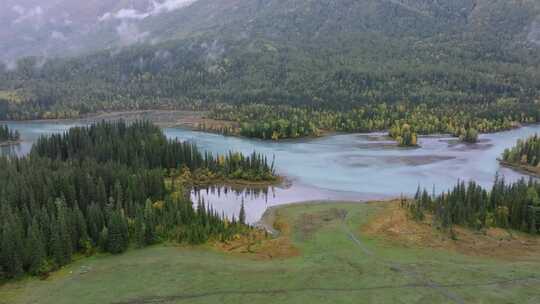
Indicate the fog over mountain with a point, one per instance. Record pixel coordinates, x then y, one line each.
60 27
67 27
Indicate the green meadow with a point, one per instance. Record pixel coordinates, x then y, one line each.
336 264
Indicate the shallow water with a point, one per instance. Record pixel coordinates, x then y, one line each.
30 132
339 167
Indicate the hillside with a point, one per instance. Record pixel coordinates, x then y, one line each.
304 52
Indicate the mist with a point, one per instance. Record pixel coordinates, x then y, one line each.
47 28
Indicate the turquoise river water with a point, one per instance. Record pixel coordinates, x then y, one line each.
353 167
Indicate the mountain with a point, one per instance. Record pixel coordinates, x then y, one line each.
329 53
60 27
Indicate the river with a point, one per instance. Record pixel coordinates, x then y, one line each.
352 167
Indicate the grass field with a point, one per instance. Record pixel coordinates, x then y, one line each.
336 264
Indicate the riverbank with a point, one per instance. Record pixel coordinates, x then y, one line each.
162 118
199 121
526 169
278 181
188 179
10 143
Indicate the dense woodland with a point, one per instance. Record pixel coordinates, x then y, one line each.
525 152
142 144
143 77
7 135
461 120
507 205
103 188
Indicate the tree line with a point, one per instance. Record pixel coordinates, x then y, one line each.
102 188
6 134
525 152
460 120
507 205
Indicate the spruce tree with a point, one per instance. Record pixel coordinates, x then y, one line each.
10 252
117 240
64 230
242 215
36 250
103 239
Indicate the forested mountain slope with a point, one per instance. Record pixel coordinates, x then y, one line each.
334 54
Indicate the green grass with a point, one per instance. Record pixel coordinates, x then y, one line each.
331 269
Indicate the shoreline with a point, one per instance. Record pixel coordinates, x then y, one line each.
279 181
525 169
190 120
162 118
10 143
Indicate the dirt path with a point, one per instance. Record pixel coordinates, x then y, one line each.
401 269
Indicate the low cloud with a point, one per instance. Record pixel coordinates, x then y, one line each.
10 65
18 9
129 33
58 35
156 9
25 14
169 5
534 32
124 14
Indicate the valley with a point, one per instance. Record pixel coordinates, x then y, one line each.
269 151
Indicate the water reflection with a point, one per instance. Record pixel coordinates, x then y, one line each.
30 132
256 200
11 149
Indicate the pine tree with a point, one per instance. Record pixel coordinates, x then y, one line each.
103 239
533 229
117 239
82 239
35 249
139 230
150 236
64 231
10 252
118 195
242 215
